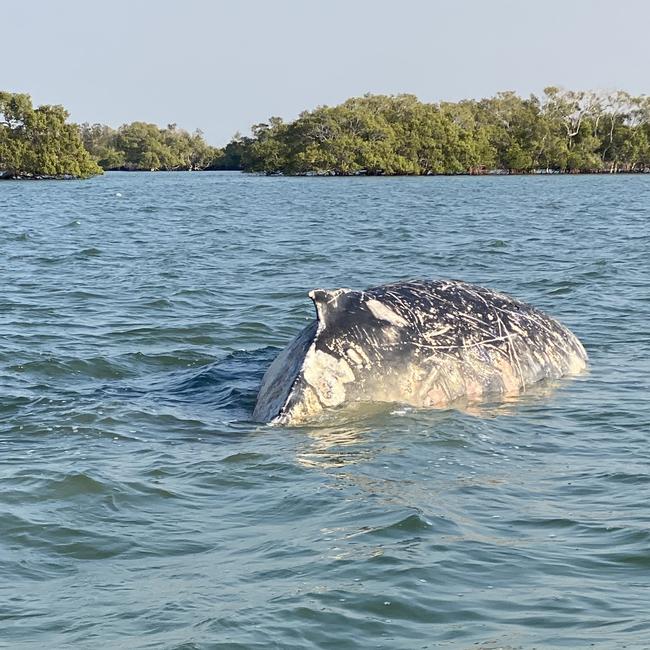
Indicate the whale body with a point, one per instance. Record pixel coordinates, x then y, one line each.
420 343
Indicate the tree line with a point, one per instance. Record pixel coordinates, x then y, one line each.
146 147
562 131
40 143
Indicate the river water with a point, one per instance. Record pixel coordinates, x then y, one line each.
140 507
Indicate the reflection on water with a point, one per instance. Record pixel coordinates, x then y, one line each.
340 437
348 434
536 395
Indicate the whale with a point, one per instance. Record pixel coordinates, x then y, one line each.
421 343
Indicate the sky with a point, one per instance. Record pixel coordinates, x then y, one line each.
224 65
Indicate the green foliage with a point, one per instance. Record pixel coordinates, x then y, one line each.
38 142
564 131
142 146
234 155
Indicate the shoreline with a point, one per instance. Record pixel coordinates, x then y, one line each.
330 174
44 177
491 173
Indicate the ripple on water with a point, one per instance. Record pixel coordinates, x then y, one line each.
140 507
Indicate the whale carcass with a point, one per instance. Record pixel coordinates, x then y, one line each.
421 343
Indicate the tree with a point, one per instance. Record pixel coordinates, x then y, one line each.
38 141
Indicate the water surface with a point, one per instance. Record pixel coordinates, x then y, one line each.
141 508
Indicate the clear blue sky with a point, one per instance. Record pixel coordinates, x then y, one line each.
224 65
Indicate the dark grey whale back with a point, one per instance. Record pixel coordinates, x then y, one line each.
425 343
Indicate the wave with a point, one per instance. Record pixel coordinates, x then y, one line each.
228 386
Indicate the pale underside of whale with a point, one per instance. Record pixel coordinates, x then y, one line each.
420 343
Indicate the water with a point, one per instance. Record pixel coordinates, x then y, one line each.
141 508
